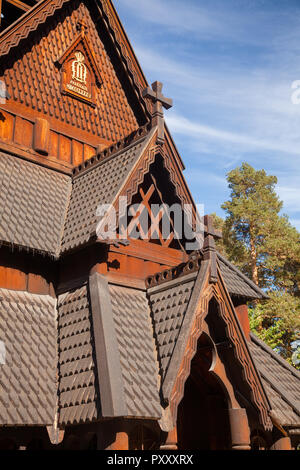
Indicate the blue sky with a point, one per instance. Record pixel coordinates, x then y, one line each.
229 66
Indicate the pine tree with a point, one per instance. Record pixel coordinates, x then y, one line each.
265 246
250 214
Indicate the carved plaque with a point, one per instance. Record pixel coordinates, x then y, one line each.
76 79
80 74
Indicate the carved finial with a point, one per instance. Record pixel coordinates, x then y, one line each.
159 102
209 246
81 26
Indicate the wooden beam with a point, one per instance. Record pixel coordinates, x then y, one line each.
21 5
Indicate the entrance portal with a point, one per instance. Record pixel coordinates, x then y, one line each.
203 421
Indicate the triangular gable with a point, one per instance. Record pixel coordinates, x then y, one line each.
185 343
80 73
99 181
243 354
132 186
120 107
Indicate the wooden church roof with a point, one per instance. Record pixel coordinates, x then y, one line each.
33 204
110 361
281 382
28 331
52 213
99 183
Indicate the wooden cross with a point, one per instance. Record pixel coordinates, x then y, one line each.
159 102
209 228
209 247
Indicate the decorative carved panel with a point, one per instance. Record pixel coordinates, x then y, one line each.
80 75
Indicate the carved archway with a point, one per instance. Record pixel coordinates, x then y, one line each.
202 418
232 351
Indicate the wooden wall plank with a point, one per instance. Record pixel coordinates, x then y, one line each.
6 126
65 149
77 153
23 132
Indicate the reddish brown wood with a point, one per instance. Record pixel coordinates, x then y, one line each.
77 153
171 441
6 125
28 138
21 5
36 284
89 151
113 116
121 442
23 132
240 432
284 443
65 148
242 314
41 136
157 254
53 144
11 278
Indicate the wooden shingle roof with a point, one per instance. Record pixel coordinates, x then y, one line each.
98 185
281 381
28 331
237 283
33 204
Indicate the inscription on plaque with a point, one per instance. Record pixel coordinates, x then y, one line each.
77 77
80 74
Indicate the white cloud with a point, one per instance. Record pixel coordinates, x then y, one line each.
209 20
291 197
295 223
178 15
181 125
230 71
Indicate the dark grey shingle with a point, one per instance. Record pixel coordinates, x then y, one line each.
282 381
28 330
78 388
138 355
97 186
237 283
168 307
33 203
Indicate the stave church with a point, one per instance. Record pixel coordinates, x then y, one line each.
114 343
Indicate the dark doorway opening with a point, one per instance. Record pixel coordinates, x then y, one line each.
203 421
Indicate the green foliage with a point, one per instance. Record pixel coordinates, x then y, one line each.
266 247
277 322
251 211
282 256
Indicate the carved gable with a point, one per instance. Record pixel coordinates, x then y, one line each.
80 74
39 87
206 309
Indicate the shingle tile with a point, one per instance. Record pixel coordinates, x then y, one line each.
28 378
97 186
33 202
137 349
78 387
282 381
